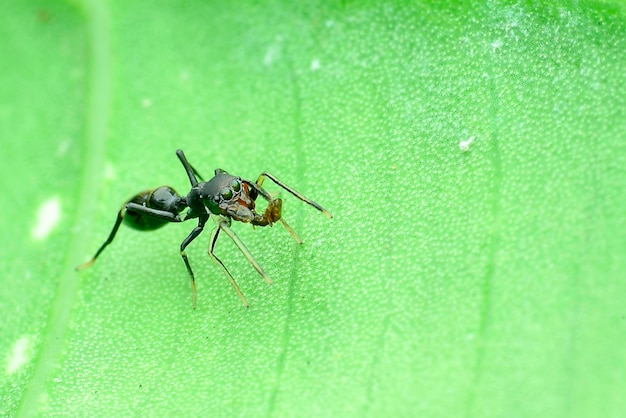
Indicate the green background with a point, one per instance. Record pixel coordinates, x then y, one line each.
482 283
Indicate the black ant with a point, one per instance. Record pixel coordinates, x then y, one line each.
226 196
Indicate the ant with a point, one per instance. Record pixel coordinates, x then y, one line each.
226 196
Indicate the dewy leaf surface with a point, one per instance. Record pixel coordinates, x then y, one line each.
473 158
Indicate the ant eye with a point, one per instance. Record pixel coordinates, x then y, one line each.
226 193
235 185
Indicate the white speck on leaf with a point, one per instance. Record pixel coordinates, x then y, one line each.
63 147
109 171
48 217
464 145
273 51
315 65
19 355
497 44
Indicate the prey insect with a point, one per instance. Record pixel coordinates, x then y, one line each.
225 196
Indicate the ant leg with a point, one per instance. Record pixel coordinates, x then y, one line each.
246 253
118 222
273 212
261 179
291 231
140 209
155 213
217 261
195 172
191 172
193 235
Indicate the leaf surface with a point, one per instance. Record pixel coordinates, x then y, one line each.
473 158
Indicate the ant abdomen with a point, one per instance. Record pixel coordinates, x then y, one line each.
163 198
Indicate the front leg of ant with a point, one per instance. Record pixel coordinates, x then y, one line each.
261 179
274 209
224 226
217 261
193 235
273 213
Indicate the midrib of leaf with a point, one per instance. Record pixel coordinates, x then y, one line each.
97 112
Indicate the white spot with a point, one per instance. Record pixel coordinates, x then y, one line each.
270 55
48 217
496 44
273 51
19 355
330 23
315 65
109 171
146 102
464 145
63 147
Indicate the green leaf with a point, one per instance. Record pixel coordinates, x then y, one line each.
473 158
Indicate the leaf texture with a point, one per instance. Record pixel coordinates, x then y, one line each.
473 158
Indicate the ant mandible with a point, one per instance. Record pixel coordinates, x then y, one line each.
226 196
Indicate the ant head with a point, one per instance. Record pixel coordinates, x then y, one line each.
229 196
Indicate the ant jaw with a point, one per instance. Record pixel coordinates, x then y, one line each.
241 213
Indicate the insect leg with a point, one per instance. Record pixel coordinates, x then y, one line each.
273 212
306 200
224 227
155 213
194 233
291 231
118 222
191 172
140 209
217 261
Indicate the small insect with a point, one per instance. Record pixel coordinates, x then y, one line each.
226 196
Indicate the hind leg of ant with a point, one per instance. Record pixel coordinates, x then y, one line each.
261 179
116 226
139 209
